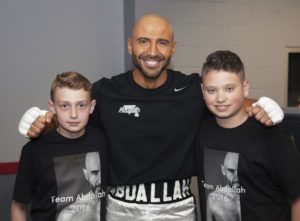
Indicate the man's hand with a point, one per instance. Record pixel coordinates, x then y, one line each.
259 115
41 125
35 122
265 110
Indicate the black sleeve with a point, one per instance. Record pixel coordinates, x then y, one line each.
285 162
95 117
24 184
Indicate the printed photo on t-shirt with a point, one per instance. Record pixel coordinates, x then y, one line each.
221 184
79 191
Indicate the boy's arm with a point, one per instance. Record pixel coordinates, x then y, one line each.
18 211
296 210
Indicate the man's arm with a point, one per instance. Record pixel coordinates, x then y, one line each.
265 110
42 124
18 211
34 122
296 210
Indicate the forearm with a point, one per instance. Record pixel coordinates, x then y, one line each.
248 102
18 211
296 210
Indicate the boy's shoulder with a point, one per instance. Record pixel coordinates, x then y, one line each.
94 131
40 141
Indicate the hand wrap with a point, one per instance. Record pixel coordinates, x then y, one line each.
272 109
28 118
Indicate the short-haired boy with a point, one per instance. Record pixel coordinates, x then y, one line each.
246 171
62 175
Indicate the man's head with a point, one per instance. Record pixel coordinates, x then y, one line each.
224 87
72 103
92 171
230 169
151 46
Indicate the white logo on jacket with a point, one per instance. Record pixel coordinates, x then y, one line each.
130 109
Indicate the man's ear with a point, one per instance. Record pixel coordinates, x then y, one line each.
51 106
174 47
223 169
129 46
85 173
93 104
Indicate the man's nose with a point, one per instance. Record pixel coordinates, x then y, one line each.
153 49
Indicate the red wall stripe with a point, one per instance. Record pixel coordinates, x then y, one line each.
9 167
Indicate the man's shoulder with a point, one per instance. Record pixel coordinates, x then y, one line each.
183 76
114 78
180 78
112 83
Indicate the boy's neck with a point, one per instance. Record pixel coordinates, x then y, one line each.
233 121
70 135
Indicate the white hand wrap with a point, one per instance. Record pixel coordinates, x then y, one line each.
273 110
28 118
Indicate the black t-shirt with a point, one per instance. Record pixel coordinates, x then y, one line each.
151 133
54 177
250 172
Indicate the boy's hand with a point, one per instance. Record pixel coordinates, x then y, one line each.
35 121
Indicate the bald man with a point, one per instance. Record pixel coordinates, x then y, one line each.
217 210
88 207
150 115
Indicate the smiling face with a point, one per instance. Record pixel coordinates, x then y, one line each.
72 108
151 47
224 94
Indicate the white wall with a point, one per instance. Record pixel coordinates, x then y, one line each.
40 38
258 30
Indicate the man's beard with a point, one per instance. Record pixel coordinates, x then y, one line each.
95 189
144 72
233 184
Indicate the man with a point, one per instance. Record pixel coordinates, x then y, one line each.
229 211
87 208
150 115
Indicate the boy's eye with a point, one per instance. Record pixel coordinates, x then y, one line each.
229 89
64 106
82 105
210 90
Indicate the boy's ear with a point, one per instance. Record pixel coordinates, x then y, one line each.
51 106
246 88
93 104
202 89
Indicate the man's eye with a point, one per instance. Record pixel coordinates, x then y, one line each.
164 43
143 41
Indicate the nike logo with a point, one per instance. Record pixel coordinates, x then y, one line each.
179 89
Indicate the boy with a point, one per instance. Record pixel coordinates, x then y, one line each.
62 174
260 165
